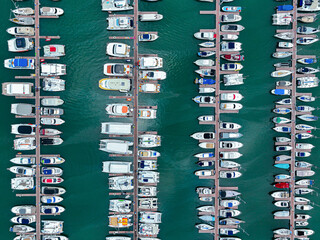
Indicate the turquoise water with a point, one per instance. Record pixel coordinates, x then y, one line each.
83 31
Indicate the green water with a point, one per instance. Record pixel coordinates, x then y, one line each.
82 30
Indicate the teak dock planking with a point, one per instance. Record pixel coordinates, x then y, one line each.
37 116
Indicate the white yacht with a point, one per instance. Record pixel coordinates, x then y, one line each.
149 140
150 62
55 50
115 84
150 217
150 17
147 113
20 44
117 128
115 146
152 75
27 143
53 84
53 69
120 23
17 89
115 5
21 31
51 11
22 183
205 35
122 183
148 177
120 205
52 227
117 167
118 49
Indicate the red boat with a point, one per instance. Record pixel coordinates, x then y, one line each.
233 57
282 185
52 180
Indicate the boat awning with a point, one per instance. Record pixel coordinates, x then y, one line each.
22 62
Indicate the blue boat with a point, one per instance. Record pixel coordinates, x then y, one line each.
282 165
285 8
281 92
231 9
19 63
282 110
309 118
208 81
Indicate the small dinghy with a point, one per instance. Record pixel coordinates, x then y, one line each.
308 117
207 44
307 30
206 53
281 54
282 129
281 120
303 154
283 83
204 62
307 70
282 110
303 135
284 35
285 45
229 37
206 209
280 73
233 57
307 40
307 60
306 98
285 101
206 72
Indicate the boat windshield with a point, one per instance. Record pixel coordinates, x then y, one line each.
20 42
25 129
232 27
118 68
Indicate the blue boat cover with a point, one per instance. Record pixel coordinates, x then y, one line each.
47 171
309 60
285 8
229 204
45 160
25 221
286 129
208 81
20 62
279 91
282 165
145 36
47 211
230 233
20 42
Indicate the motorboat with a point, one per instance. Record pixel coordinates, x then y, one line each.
148 203
229 203
302 216
230 46
118 69
282 110
115 5
53 84
308 117
229 37
204 173
23 129
52 227
307 70
281 92
232 28
52 171
206 145
22 171
26 143
23 11
204 99
204 155
22 109
152 75
54 237
150 62
228 18
303 154
26 21
303 191
51 102
231 67
284 35
285 45
20 44
147 165
229 213
151 177
281 73
206 118
301 223
282 129
304 135
228 193
148 37
307 40
305 182
304 109
147 113
150 217
231 97
118 49
206 72
149 140
283 139
203 135
283 213
207 44
303 232
230 106
304 127
117 167
308 6
283 148
282 177
306 98
228 231
307 19
55 50
302 200
149 87
205 81
115 146
205 163
21 229
24 210
205 35
206 89
50 111
23 160
116 84
282 232
52 209
122 183
118 109
21 31
51 11
204 226
52 180
283 83
49 132
230 145
117 128
305 173
233 79
206 53
281 120
53 69
22 183
206 209
150 17
284 101
307 60
231 9
51 121
230 135
207 218
204 62
19 63
282 19
230 221
229 155
147 229
27 219
233 57
120 23
307 30
229 174
281 54
120 205
147 191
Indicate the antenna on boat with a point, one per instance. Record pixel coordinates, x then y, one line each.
244 230
15 4
315 204
241 200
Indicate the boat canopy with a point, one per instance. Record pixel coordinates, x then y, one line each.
21 42
22 62
25 129
285 8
